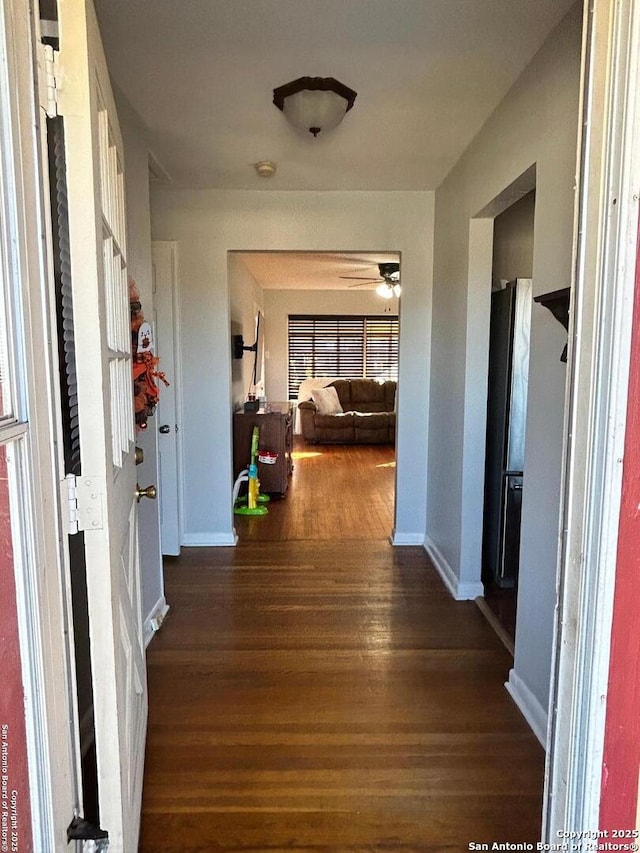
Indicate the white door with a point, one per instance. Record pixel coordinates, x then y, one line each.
107 486
164 287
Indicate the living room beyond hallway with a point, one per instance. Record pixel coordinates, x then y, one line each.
336 491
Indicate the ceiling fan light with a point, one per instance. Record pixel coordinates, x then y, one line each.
397 290
314 104
385 290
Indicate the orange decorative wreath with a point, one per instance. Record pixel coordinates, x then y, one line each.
145 363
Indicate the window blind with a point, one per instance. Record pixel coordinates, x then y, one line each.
381 347
344 347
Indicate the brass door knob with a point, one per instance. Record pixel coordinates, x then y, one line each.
139 454
149 492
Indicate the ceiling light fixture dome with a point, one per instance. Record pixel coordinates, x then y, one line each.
314 104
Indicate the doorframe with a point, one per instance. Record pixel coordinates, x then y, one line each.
480 259
480 272
42 567
171 248
605 252
600 354
395 538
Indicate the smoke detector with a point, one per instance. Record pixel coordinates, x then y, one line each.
265 168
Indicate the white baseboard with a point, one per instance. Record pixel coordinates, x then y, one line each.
460 590
154 620
529 706
397 538
209 540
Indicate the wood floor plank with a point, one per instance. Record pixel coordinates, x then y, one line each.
341 492
330 696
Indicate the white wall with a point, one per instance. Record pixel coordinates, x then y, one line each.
513 241
139 261
535 125
280 303
208 224
245 296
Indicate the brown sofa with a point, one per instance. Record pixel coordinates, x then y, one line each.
368 415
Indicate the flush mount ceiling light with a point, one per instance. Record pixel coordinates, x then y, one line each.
314 104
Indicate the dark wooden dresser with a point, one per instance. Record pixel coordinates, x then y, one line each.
276 434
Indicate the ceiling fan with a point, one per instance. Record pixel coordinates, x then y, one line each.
389 279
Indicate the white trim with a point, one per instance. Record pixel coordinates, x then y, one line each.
179 401
12 431
14 258
476 386
154 620
529 706
41 569
209 540
460 590
406 538
600 334
171 247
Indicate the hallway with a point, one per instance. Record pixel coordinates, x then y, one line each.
330 696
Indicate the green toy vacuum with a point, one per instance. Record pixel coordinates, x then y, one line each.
254 501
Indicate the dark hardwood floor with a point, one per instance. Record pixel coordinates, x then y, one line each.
503 604
335 492
329 695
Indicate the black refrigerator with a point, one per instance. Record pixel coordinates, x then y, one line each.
506 421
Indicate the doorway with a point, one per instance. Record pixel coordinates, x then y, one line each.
509 338
323 318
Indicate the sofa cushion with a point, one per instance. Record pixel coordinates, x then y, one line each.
389 388
327 401
371 428
371 420
366 391
343 387
343 420
334 429
367 395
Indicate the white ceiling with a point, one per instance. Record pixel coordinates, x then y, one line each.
315 270
428 73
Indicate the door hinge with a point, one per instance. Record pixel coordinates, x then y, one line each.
71 504
84 503
48 76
